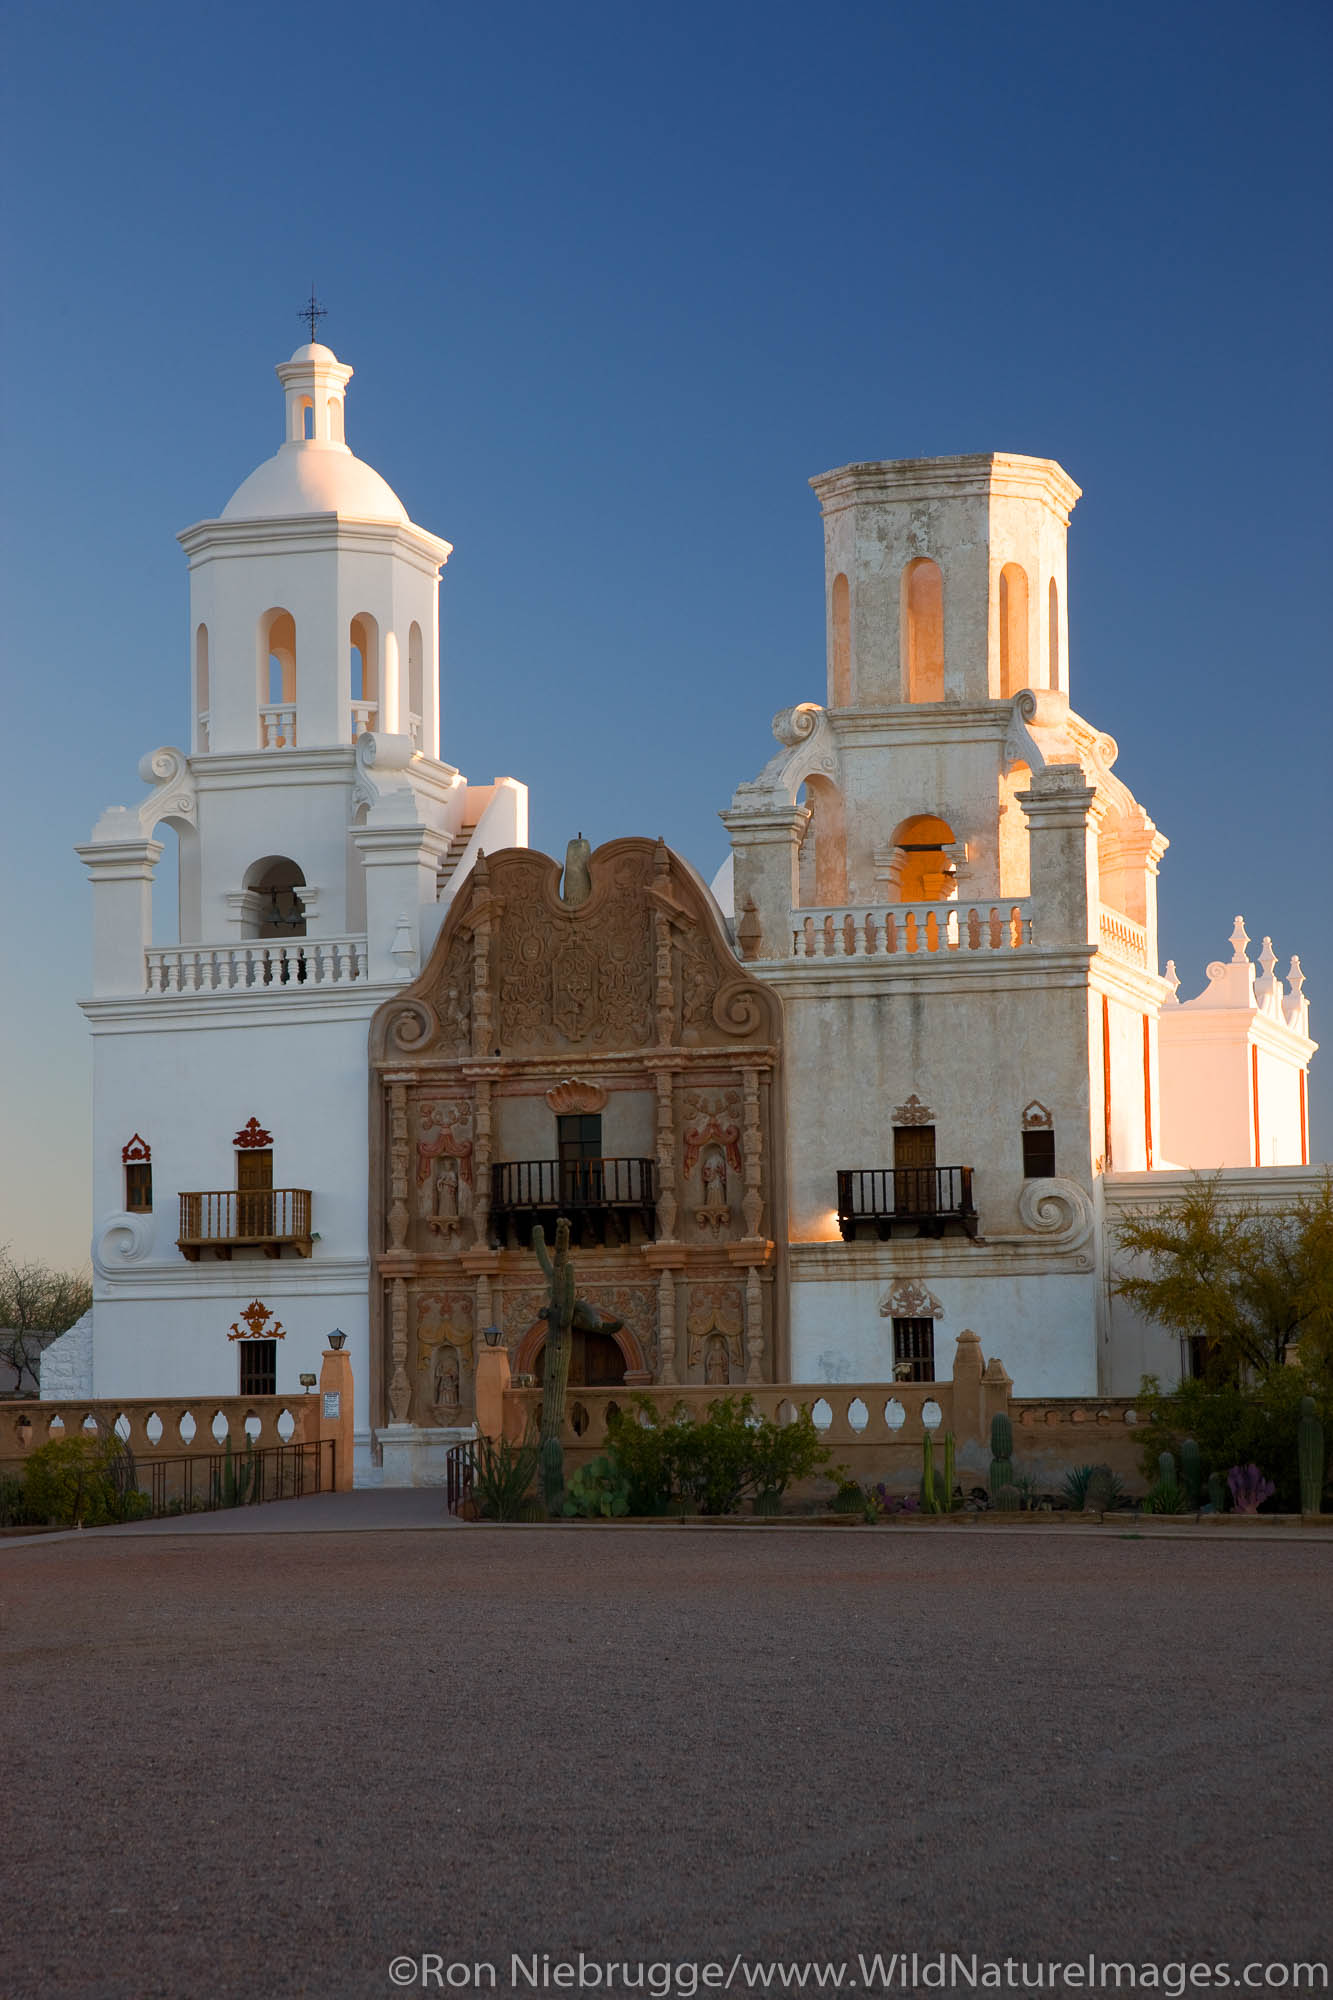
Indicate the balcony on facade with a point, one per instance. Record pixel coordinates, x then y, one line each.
912 930
904 1201
608 1201
274 965
245 1222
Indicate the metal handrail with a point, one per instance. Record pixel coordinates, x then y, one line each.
573 1184
875 1194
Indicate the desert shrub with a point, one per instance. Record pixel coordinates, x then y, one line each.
1093 1487
713 1462
83 1482
13 1504
1256 1424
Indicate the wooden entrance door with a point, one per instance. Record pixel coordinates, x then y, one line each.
914 1189
254 1193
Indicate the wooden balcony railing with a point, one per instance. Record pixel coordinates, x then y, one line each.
929 1197
587 1191
228 1219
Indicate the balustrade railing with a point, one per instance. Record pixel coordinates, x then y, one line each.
911 929
573 1184
167 1426
843 1413
365 718
240 1218
1122 937
277 720
257 966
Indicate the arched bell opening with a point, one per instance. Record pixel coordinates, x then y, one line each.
273 905
922 868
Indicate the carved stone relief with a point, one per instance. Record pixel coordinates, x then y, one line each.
914 1112
444 1171
715 1325
909 1299
445 1356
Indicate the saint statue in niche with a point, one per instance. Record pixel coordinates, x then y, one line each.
717 1366
446 1193
715 1213
445 1378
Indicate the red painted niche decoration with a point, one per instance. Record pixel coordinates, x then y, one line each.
252 1137
136 1151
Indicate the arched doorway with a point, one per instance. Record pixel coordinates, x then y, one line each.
597 1360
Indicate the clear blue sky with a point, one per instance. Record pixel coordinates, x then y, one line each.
616 281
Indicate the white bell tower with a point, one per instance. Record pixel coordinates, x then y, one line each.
320 838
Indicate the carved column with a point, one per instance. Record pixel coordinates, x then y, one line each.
400 1387
666 1156
481 1162
666 985
752 1202
483 1300
481 908
399 1215
666 1326
754 1326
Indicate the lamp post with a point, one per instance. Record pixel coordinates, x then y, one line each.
492 1335
337 1339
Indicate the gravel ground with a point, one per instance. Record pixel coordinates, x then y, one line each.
268 1765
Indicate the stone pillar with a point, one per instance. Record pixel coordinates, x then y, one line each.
1063 856
666 1327
481 1163
967 1365
666 1156
400 861
765 849
491 1382
122 879
754 1326
752 1201
335 1413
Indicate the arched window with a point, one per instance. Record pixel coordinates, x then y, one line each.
922 871
923 605
277 680
365 648
273 907
1053 599
1013 630
201 688
823 858
335 419
307 418
841 687
415 681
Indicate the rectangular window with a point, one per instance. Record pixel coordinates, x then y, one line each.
259 1367
1039 1156
139 1186
914 1350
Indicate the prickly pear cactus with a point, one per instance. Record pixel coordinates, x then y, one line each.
1310 1451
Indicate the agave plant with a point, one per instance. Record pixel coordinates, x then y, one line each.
504 1473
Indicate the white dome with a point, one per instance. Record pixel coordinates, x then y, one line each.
312 478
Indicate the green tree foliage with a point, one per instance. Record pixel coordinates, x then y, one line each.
1248 1281
36 1305
82 1482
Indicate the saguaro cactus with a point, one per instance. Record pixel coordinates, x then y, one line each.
1191 1473
928 1502
1001 1456
562 1313
555 1372
1310 1450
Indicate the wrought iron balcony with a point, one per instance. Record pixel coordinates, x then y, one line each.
596 1195
246 1220
928 1198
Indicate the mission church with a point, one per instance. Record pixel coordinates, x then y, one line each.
892 1076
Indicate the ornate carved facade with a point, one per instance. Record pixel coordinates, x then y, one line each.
602 1055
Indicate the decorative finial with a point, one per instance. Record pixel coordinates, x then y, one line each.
1172 978
1296 979
1268 958
314 312
1240 937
